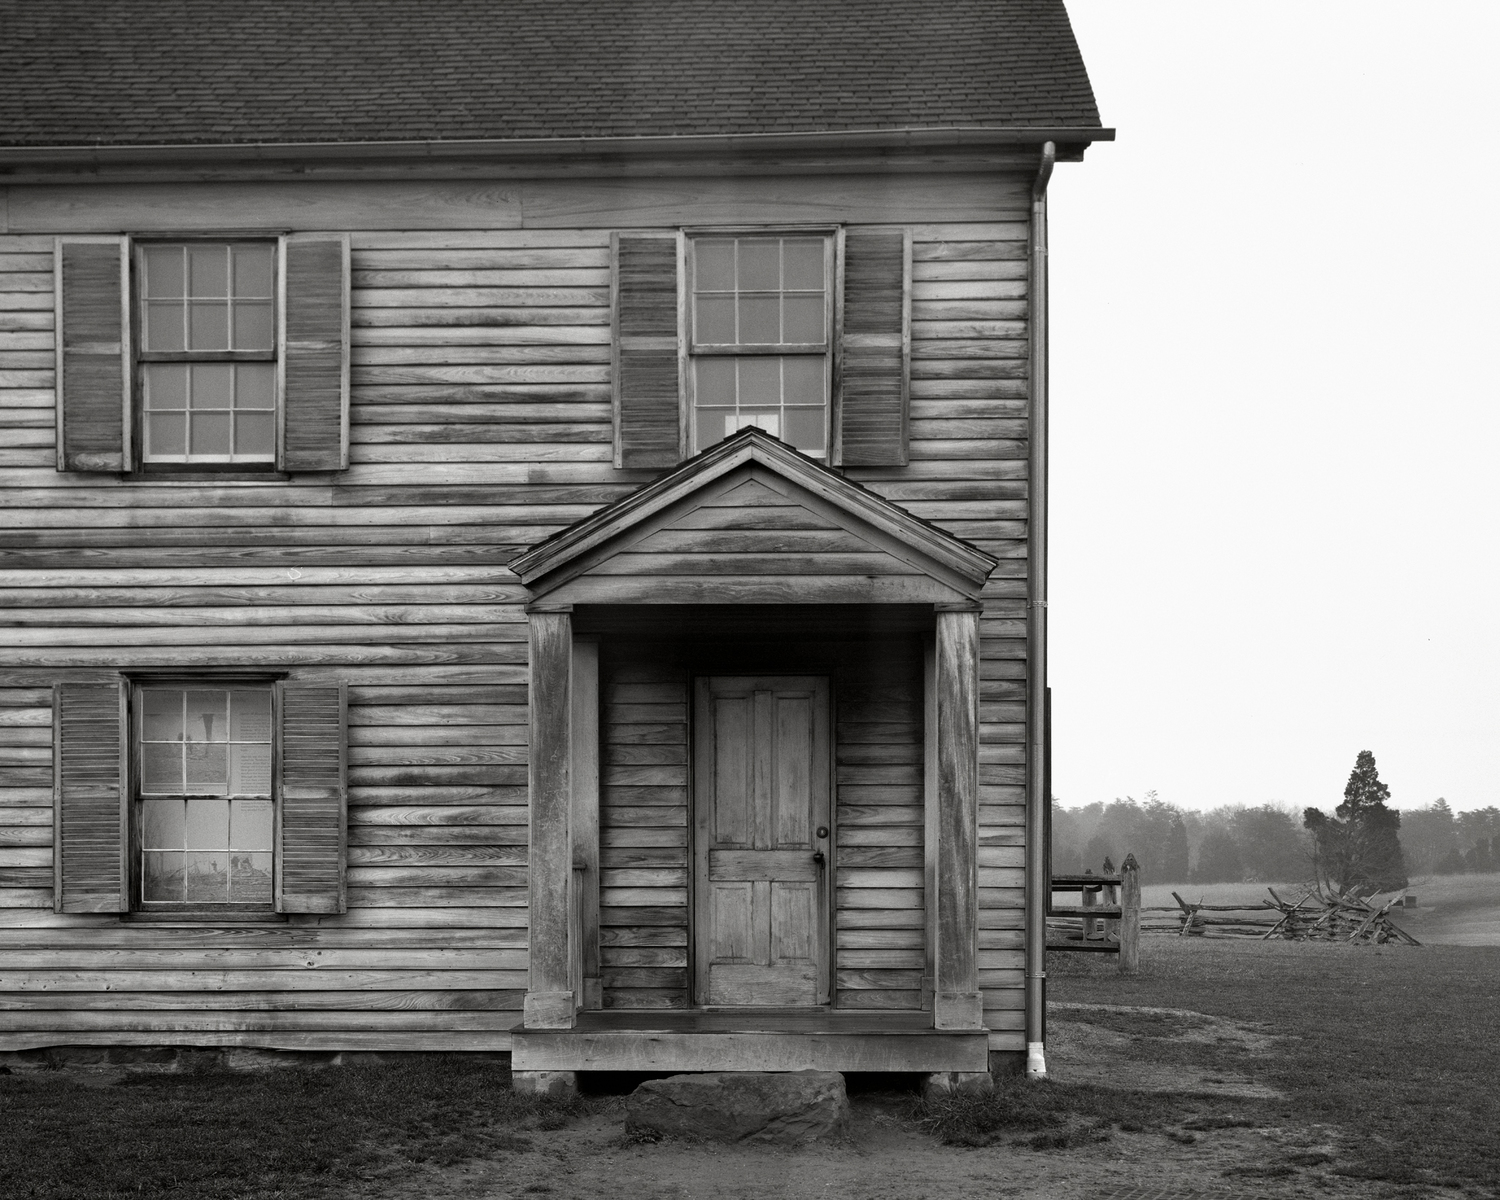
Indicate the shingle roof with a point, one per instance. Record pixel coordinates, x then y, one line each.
156 72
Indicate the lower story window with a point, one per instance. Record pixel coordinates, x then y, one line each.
204 809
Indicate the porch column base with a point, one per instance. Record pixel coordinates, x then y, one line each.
557 1084
549 1010
958 1010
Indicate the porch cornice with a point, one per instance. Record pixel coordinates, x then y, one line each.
754 446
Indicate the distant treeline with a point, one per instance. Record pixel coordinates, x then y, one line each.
1263 843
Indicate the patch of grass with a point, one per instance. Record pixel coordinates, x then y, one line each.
1398 1048
1022 1105
254 1136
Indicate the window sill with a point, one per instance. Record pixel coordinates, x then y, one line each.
204 916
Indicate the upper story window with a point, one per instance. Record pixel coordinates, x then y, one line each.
207 352
759 348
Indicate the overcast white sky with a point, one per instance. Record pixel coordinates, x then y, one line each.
1276 415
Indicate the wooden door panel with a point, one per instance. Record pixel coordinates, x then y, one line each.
763 791
763 864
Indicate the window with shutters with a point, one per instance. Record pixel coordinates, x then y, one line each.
760 318
203 827
207 353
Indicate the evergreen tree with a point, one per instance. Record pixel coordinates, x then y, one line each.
1359 847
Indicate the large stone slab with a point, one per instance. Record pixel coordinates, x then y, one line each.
785 1108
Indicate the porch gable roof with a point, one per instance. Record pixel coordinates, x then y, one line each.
751 520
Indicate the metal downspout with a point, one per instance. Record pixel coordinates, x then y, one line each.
1038 885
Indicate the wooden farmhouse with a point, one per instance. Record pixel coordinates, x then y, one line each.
524 527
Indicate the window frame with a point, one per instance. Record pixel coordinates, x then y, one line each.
141 357
165 909
832 314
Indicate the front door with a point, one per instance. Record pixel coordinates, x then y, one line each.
761 841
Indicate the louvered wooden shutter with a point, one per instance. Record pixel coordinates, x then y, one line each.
647 398
875 349
91 277
313 792
315 350
90 814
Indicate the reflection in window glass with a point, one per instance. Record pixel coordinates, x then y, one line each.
205 815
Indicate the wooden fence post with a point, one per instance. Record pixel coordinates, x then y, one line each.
1109 894
1130 916
1088 898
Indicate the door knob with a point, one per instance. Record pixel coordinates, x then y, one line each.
819 857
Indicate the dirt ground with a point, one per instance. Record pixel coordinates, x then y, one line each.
884 1156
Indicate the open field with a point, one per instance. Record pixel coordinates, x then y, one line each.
1452 910
1228 1070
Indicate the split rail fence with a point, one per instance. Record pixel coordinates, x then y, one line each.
1107 918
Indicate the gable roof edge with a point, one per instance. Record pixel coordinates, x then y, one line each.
752 445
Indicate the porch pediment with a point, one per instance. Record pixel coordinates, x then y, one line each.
752 521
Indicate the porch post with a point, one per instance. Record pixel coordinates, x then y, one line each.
957 1001
550 1002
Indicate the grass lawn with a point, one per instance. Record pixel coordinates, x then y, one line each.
287 1132
1398 1047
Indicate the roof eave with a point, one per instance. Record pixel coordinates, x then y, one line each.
970 137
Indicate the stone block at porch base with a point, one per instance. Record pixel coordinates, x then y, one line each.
784 1108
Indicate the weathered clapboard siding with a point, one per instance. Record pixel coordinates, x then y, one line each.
970 398
879 918
479 425
643 828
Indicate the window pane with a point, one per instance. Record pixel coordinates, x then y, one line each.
802 263
161 713
161 768
255 435
213 385
207 769
207 714
803 316
250 715
250 770
162 876
208 325
250 825
760 320
767 419
166 385
166 435
252 271
207 825
760 382
208 271
803 380
164 325
210 434
760 264
714 265
711 427
252 326
250 878
714 323
164 271
162 824
255 385
714 381
207 879
804 429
